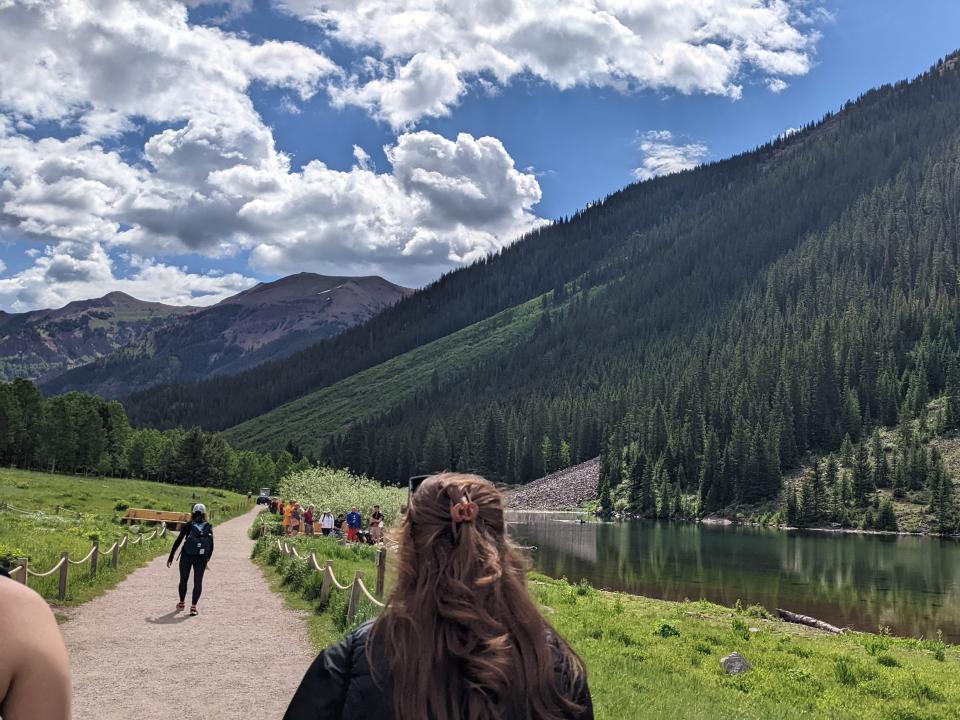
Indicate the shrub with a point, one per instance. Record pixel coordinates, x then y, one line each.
296 573
758 611
120 506
312 586
887 661
273 553
666 631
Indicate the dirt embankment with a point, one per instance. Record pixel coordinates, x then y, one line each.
563 490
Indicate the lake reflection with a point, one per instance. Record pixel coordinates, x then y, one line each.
862 581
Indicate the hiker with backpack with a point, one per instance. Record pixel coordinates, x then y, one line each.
197 539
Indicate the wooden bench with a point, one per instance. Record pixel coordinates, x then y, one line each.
173 520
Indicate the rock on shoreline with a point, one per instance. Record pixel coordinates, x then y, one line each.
563 490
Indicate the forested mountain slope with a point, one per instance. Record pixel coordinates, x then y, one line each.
270 320
709 352
680 245
854 327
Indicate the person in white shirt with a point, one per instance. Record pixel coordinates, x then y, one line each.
326 522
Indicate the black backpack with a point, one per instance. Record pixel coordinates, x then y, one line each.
199 541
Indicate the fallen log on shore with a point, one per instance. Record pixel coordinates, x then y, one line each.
808 621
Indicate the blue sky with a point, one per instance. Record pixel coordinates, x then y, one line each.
356 137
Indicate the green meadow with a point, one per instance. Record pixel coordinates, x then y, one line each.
66 512
651 658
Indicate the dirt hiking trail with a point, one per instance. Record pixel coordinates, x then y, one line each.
133 655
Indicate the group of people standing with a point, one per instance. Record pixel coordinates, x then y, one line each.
299 519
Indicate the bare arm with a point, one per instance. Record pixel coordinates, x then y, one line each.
34 668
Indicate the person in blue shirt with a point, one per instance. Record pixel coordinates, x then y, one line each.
354 523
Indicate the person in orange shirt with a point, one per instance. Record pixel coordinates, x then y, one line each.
287 511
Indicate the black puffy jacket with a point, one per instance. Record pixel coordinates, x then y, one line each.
339 685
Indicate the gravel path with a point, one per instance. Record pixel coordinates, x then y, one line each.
133 656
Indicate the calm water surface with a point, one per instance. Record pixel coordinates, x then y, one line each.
911 584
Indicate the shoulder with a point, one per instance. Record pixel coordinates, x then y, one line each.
17 601
347 659
25 616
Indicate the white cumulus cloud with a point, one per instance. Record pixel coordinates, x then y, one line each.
423 56
664 155
443 202
158 150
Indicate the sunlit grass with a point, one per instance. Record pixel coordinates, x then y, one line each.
70 513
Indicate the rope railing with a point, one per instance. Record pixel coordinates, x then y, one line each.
23 572
49 572
83 560
358 588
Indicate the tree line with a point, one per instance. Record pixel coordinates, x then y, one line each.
81 433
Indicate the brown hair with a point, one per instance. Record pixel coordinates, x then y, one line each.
462 636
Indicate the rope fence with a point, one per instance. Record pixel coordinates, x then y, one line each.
22 572
358 589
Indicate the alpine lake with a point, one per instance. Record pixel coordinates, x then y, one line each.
909 584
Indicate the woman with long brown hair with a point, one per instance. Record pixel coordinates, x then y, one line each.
460 639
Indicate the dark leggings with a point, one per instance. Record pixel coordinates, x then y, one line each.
199 565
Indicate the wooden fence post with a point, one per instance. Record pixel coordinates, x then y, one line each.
325 585
354 596
64 569
24 565
115 557
381 570
95 558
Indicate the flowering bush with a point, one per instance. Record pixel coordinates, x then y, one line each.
339 490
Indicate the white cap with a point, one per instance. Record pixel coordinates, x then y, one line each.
200 508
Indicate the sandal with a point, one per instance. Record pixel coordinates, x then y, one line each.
180 606
193 610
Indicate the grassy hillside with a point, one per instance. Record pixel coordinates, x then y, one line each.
89 509
308 421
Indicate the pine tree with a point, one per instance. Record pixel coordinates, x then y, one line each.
886 518
846 452
605 504
861 476
792 512
881 470
435 455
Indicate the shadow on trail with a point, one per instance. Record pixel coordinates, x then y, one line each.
171 618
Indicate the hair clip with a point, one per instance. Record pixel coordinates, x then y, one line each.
464 511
